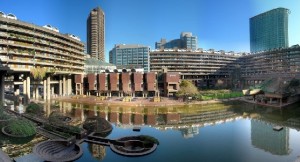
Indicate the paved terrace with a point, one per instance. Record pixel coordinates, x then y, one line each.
4 157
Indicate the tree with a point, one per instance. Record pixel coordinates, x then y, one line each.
38 73
187 89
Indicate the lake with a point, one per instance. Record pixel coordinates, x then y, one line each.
230 131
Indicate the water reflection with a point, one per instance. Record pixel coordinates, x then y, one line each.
189 132
187 119
97 151
264 137
190 122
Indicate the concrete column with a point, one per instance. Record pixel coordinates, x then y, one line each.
52 90
24 87
45 89
33 92
69 91
60 87
48 88
1 86
76 89
37 92
28 87
64 86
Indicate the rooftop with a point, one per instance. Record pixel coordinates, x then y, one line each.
129 46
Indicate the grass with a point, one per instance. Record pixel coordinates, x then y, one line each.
20 127
217 94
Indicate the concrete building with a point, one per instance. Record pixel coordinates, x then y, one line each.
125 83
277 63
269 30
96 34
206 68
28 50
130 56
187 41
169 85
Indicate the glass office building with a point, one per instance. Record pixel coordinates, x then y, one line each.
187 41
130 56
269 30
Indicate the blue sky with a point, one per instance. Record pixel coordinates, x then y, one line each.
219 24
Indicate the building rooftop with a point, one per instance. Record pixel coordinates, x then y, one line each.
279 8
129 46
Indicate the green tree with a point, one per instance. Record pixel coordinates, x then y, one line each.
187 89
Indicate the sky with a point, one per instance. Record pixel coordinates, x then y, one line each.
218 24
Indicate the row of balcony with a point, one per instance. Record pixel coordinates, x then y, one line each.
34 33
27 46
33 54
36 41
30 62
198 56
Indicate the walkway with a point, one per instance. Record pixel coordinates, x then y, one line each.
4 157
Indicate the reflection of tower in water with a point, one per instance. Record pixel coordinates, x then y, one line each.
98 151
189 132
264 137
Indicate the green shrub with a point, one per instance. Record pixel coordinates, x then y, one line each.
20 127
57 120
34 108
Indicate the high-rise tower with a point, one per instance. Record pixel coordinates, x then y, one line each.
96 34
269 30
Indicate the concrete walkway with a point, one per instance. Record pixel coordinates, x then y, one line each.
4 157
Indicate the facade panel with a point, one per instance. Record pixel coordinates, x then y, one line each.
269 30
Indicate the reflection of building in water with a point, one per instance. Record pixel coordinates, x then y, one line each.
264 137
189 132
98 151
161 118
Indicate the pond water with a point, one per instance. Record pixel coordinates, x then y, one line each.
230 132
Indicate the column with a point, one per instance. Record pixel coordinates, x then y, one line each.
48 88
28 87
37 95
64 86
69 91
1 86
45 89
33 91
60 87
24 87
52 90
